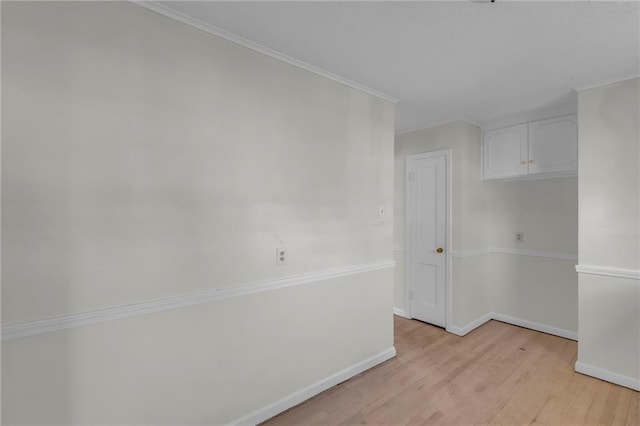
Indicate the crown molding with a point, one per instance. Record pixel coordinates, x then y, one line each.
608 81
226 35
49 325
431 126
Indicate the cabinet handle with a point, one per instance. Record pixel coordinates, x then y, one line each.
523 162
531 161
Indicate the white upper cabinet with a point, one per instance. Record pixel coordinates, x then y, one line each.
545 148
505 152
553 145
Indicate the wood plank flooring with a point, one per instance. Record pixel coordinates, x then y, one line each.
498 374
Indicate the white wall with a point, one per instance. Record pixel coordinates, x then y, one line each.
486 215
205 364
144 159
470 295
543 290
609 235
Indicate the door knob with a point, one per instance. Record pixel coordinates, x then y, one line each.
439 250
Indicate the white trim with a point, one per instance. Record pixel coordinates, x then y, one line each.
461 331
565 108
218 32
407 238
449 242
431 126
567 334
49 325
534 253
632 274
462 254
533 176
607 82
302 395
398 249
609 376
401 313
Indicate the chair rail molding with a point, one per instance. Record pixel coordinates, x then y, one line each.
632 274
462 254
31 328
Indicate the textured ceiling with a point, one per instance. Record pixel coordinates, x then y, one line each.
444 61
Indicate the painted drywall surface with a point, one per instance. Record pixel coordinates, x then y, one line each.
471 289
610 324
487 214
468 211
181 366
546 211
398 278
609 149
541 290
536 289
464 140
143 158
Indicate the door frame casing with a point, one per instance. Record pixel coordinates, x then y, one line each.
448 155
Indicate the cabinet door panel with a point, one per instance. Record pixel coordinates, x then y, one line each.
505 152
553 145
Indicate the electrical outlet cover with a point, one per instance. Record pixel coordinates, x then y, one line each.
281 255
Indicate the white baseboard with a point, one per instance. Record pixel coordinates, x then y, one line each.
302 395
609 376
572 335
401 313
461 331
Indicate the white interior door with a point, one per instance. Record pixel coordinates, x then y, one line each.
427 216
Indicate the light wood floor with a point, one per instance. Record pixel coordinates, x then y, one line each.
497 374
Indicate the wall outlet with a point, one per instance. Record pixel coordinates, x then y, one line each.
281 256
381 212
519 237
